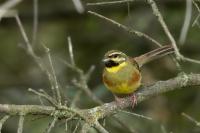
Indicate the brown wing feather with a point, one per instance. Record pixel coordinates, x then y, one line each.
154 54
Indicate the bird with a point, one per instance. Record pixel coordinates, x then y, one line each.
122 74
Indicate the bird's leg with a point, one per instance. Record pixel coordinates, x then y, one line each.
118 100
133 100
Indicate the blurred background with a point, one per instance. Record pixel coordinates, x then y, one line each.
91 38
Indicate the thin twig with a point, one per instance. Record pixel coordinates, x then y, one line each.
137 115
77 125
35 21
71 50
197 18
190 60
100 128
85 128
55 81
162 127
67 121
75 99
51 126
157 13
197 123
45 96
109 2
79 6
131 31
125 125
186 24
32 53
3 120
89 72
5 7
21 124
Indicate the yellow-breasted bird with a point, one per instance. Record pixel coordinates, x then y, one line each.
122 74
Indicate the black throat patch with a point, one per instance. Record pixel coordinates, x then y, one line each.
111 63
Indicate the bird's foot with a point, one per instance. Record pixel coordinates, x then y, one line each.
119 101
133 100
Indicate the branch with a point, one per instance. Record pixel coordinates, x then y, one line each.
21 124
3 120
157 13
159 87
186 24
197 123
109 2
92 115
4 8
125 28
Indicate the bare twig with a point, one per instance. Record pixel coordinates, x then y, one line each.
30 51
157 13
67 121
197 18
163 128
137 115
75 99
45 96
77 125
35 21
4 8
197 123
89 72
3 120
100 128
54 80
79 6
71 50
109 2
52 124
190 60
122 123
21 124
131 31
186 24
85 128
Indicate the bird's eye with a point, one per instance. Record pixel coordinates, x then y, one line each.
115 55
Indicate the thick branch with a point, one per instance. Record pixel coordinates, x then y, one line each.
92 115
26 109
159 87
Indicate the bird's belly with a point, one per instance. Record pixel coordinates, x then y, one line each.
125 83
124 88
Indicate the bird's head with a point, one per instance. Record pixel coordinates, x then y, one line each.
114 58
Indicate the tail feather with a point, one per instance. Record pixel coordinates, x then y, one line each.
154 54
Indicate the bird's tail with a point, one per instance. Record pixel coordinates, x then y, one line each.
154 54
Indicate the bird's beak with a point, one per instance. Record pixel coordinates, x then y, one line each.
105 60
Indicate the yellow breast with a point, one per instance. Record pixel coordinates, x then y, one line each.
116 68
124 88
122 79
